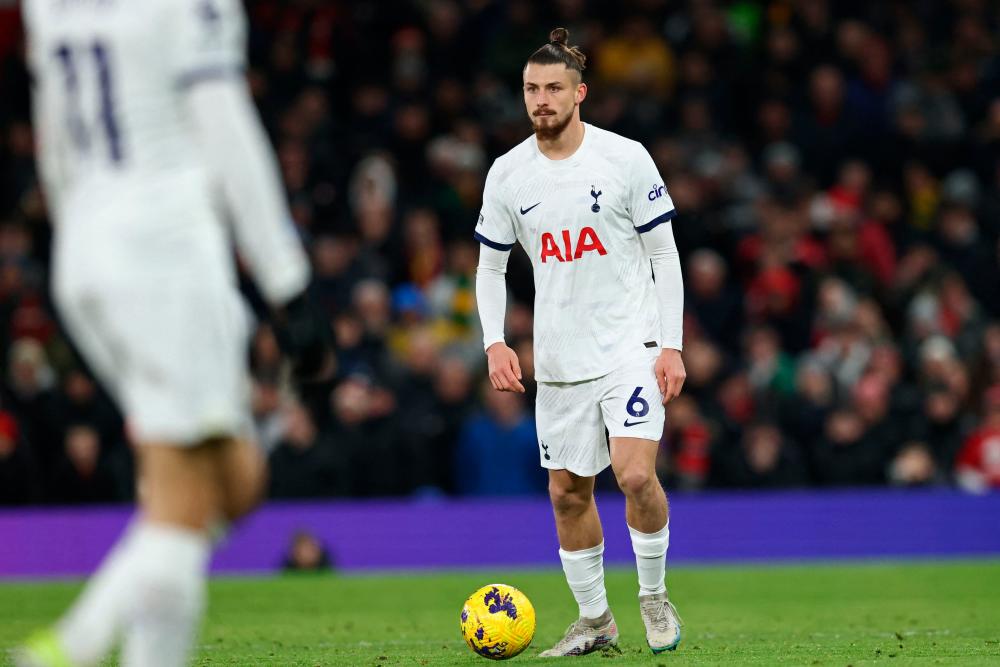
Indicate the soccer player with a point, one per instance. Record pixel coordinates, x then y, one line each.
144 121
591 211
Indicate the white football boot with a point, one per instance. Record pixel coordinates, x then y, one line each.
663 625
584 636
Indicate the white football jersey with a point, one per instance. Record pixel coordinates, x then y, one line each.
579 219
126 183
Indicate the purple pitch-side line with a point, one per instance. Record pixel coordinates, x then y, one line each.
422 534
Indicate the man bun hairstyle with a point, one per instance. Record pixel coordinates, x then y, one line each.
559 36
559 51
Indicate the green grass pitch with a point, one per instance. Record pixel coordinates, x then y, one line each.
849 614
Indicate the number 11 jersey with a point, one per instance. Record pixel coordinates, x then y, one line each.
126 183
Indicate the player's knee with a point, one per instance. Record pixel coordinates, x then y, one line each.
567 501
636 482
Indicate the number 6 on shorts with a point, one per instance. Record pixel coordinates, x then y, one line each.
634 399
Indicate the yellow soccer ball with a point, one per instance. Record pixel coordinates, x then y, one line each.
498 621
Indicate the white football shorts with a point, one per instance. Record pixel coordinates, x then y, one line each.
173 356
571 417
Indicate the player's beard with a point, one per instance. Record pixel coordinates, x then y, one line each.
553 126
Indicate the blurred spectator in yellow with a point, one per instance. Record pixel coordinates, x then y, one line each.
637 59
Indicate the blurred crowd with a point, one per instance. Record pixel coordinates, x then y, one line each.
835 166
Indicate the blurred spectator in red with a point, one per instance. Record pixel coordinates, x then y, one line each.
685 461
732 407
860 249
977 467
774 298
18 475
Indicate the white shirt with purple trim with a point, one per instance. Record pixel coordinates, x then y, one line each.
125 176
580 219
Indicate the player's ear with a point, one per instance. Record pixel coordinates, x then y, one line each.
581 92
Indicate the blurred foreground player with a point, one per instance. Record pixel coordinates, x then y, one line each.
143 119
591 211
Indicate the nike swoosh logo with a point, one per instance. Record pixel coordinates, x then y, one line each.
525 210
627 423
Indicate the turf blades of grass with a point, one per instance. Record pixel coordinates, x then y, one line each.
857 614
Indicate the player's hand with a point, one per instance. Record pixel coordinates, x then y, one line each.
304 335
670 374
505 370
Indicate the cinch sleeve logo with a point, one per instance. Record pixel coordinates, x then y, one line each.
587 241
656 192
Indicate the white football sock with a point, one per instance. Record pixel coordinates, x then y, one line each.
651 558
585 575
168 596
89 629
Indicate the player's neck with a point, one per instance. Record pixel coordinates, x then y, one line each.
564 145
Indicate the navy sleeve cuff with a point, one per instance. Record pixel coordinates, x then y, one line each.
492 244
659 220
